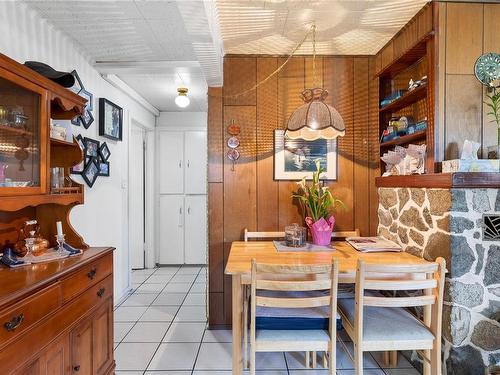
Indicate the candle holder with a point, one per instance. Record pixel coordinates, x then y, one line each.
60 244
30 244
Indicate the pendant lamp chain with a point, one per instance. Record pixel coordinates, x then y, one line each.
314 55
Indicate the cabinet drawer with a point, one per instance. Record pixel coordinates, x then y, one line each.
21 316
86 277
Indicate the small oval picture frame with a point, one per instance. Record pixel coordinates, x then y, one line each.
233 154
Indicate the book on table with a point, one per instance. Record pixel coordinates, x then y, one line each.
373 244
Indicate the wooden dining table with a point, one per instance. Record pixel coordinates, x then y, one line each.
239 267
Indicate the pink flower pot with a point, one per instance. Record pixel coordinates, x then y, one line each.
321 230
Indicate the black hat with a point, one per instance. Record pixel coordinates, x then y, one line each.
65 79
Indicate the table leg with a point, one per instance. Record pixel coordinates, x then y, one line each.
237 302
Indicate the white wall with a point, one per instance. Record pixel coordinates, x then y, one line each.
102 220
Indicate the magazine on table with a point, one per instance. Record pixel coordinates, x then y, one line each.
373 244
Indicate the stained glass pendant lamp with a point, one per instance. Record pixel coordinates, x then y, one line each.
315 119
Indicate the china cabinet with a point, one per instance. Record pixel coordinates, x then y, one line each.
55 317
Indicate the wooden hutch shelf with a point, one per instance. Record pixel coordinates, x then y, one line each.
16 131
406 100
405 139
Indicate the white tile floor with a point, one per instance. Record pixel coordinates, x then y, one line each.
160 329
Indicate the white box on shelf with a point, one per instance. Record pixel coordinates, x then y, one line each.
477 165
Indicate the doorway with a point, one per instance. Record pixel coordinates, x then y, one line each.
137 197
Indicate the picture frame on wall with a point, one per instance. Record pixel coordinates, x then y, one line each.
78 86
104 168
80 141
91 147
91 172
86 119
110 120
89 97
104 152
78 168
294 159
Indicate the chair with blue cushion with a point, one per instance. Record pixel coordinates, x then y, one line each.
314 295
381 323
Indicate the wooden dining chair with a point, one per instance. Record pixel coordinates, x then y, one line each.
308 295
379 323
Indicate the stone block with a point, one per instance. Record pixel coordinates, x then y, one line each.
480 258
404 196
403 235
480 200
469 295
417 237
456 321
444 223
384 217
387 197
438 245
492 268
439 201
486 335
458 201
418 196
460 224
462 257
465 360
412 218
427 217
492 311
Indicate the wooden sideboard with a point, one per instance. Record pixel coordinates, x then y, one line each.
57 317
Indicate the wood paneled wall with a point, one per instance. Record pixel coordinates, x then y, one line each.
249 197
465 31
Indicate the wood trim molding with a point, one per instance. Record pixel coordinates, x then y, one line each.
443 180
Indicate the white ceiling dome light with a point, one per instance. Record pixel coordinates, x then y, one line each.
182 99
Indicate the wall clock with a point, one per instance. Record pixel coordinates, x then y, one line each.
487 68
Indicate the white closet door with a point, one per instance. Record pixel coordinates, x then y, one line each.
136 198
195 162
196 229
171 228
171 162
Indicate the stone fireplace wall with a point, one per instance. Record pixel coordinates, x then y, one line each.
448 222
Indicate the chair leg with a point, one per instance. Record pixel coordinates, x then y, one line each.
393 358
308 359
435 356
252 360
314 359
358 360
325 359
387 359
245 327
332 357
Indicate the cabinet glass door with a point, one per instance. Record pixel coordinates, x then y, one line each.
22 144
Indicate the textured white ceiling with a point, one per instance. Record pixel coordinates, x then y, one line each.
161 89
344 27
137 32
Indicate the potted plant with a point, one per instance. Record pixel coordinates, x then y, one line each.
319 205
494 104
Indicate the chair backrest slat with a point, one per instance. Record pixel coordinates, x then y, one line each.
293 269
248 235
402 268
295 286
399 301
345 234
293 302
399 284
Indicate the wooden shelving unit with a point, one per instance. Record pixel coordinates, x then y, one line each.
417 104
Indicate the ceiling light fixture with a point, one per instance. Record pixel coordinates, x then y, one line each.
182 99
315 119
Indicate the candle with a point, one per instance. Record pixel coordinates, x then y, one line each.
59 228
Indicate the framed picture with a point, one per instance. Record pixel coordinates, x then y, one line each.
80 141
91 147
89 97
78 86
91 172
103 168
295 158
78 169
86 119
110 120
104 152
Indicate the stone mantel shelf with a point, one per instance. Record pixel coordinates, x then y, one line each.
442 180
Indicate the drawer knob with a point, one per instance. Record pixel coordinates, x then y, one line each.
100 292
92 273
76 368
14 323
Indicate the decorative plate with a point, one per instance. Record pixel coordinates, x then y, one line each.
233 154
487 67
233 129
233 142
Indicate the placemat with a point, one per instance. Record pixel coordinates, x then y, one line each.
281 246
